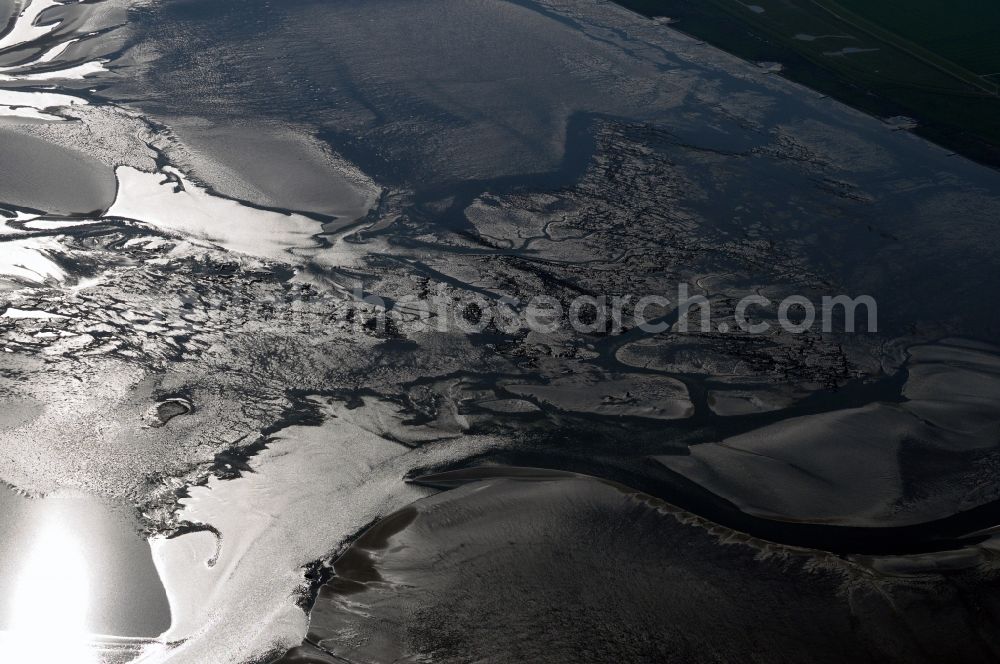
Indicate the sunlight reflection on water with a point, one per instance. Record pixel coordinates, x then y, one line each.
51 602
77 582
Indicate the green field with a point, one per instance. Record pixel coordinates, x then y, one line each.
960 47
965 32
933 61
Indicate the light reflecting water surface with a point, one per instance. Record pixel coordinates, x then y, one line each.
76 575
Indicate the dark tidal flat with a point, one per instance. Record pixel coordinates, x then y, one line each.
274 386
555 569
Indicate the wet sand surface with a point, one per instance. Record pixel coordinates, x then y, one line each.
38 175
181 337
279 168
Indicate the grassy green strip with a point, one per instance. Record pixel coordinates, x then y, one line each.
844 15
